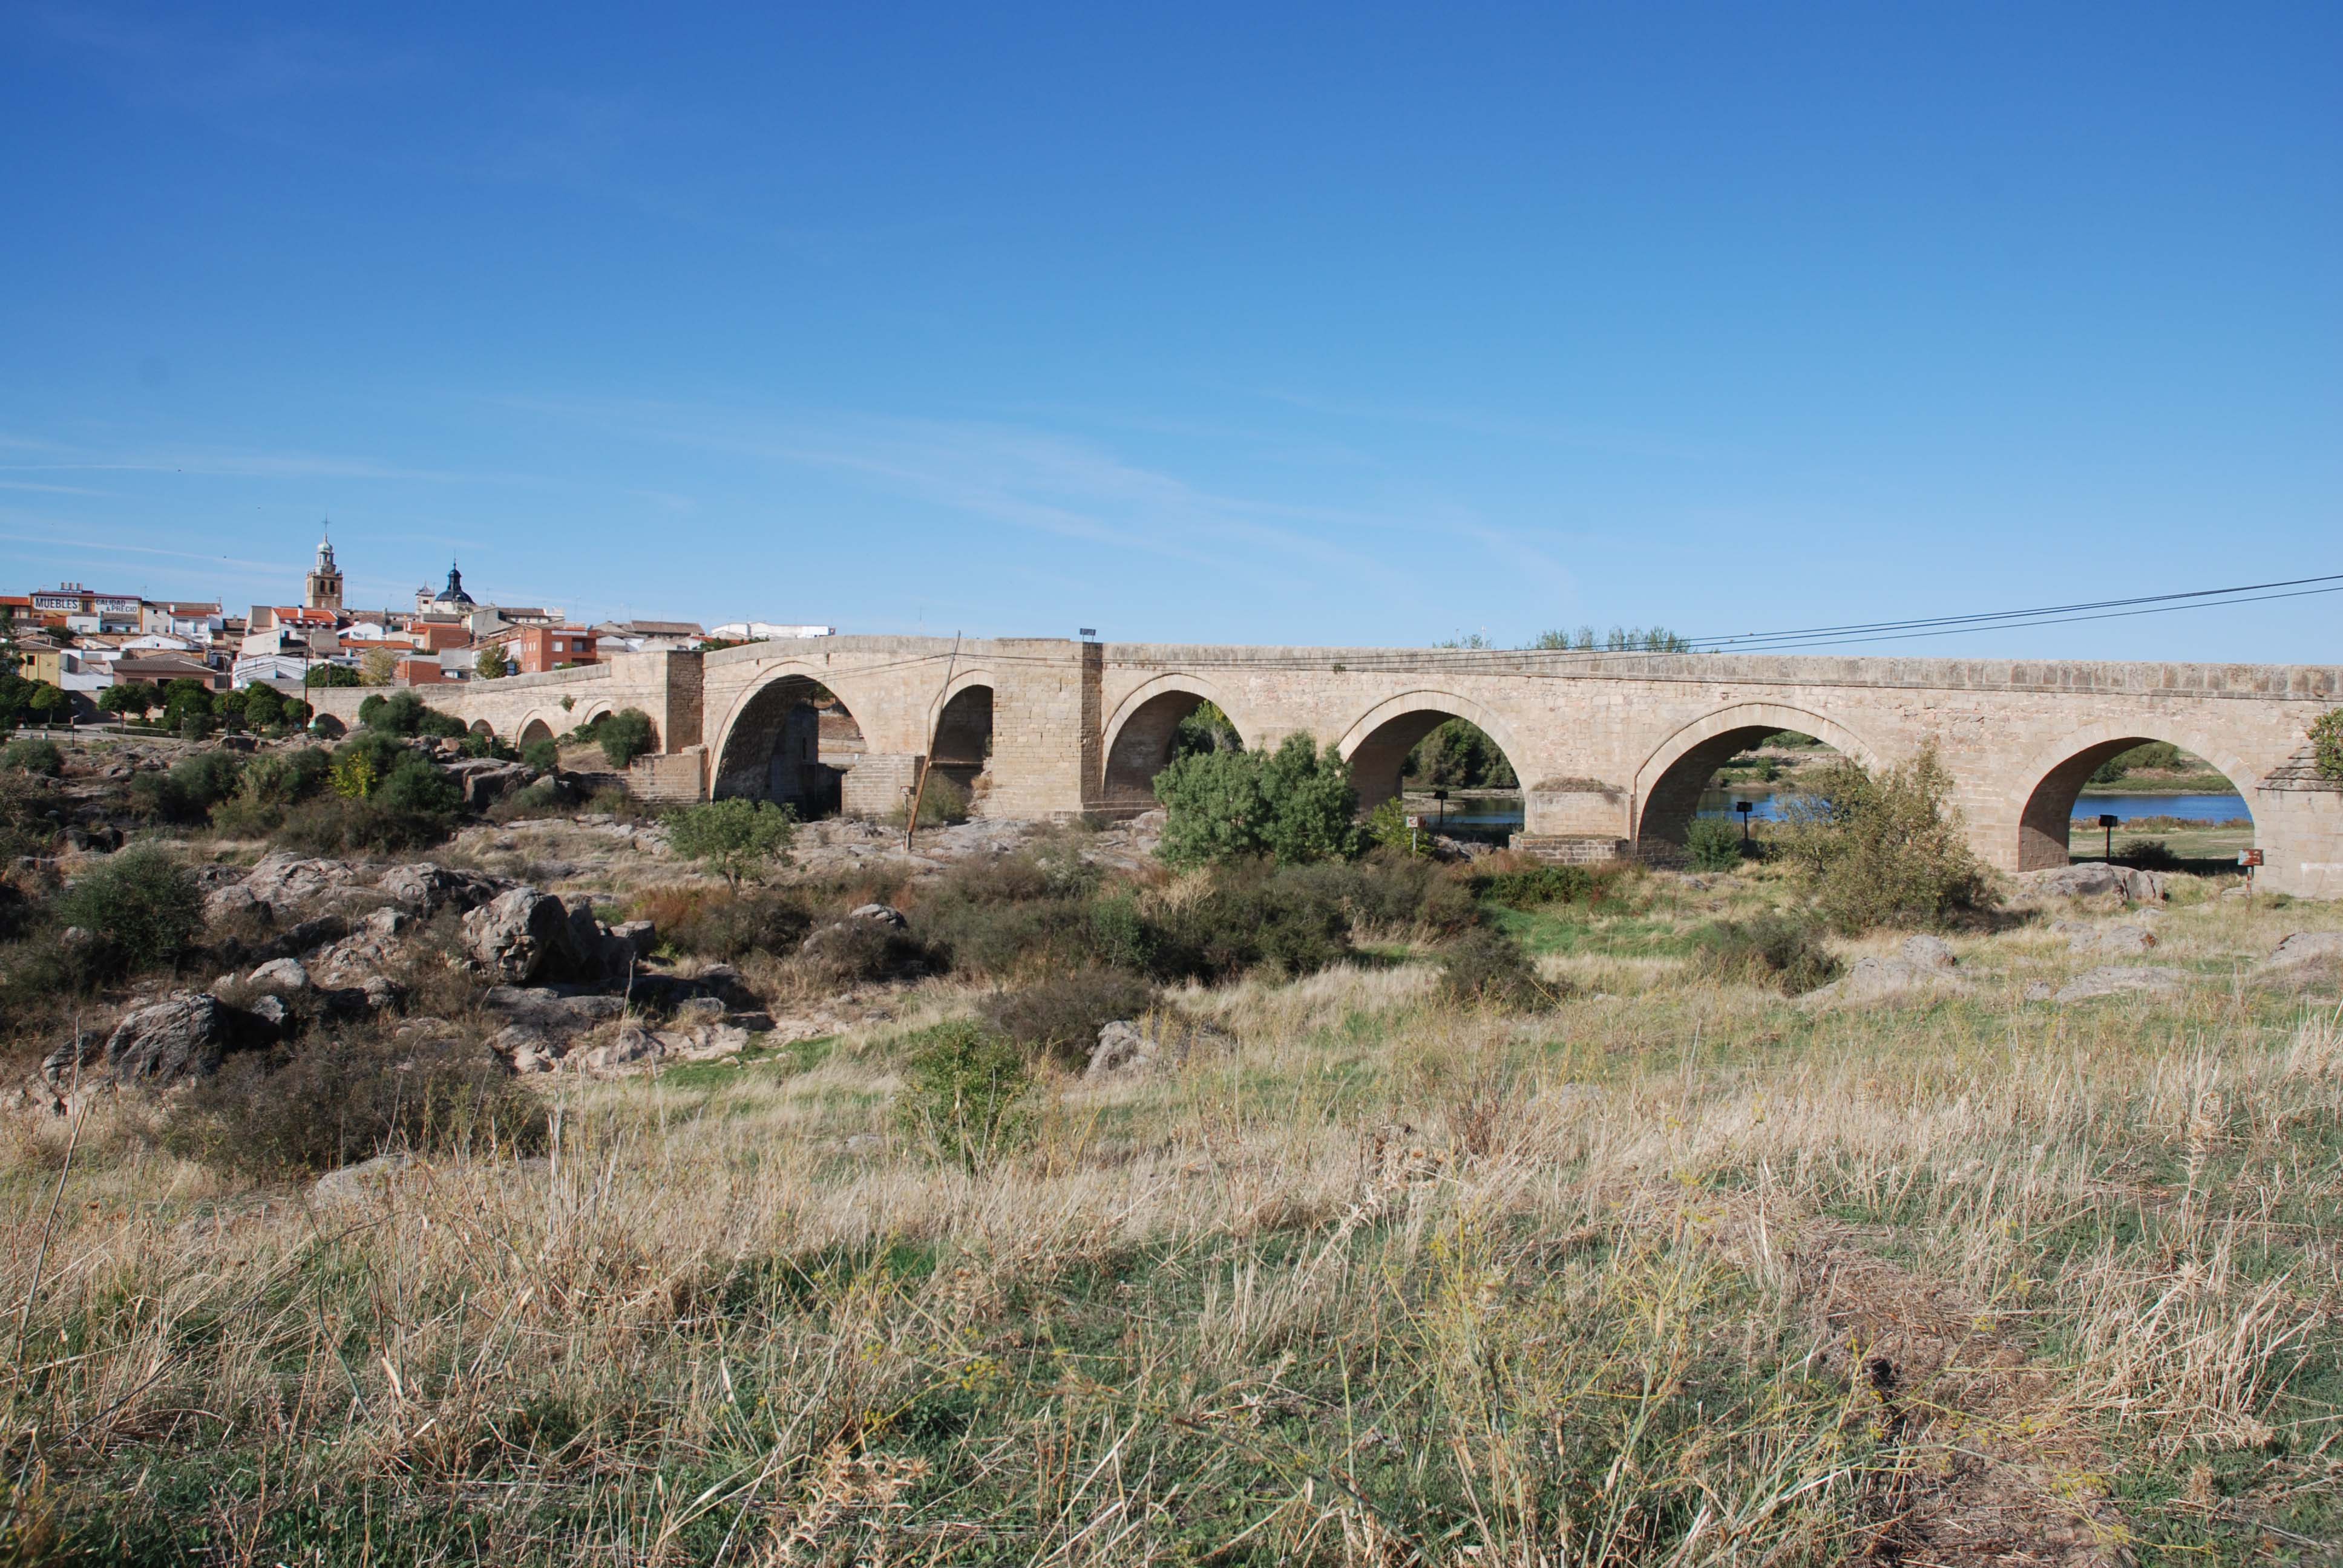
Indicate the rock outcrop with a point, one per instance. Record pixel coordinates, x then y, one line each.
2094 879
2116 979
186 1036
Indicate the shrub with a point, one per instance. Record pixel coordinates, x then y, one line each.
625 736
141 908
1884 851
329 1102
1388 892
31 756
1387 828
1487 968
1538 883
25 828
967 1095
735 926
544 755
942 802
734 839
851 951
2327 743
1712 845
2147 855
1251 919
1294 805
1061 1018
1777 950
338 825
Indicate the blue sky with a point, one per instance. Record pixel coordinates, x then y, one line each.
1236 324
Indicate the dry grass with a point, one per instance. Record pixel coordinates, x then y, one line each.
1682 1276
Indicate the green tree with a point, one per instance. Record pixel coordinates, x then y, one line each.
1458 755
1294 805
1887 851
140 907
48 704
263 706
736 838
2327 744
130 698
625 736
488 664
330 675
1205 729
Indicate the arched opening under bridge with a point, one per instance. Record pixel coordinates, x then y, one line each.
1427 745
2174 809
1169 725
793 743
962 748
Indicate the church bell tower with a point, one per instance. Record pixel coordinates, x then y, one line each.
325 580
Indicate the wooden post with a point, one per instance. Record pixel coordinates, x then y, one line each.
928 758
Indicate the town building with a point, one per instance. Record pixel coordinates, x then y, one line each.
323 589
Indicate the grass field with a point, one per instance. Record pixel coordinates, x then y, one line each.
1680 1273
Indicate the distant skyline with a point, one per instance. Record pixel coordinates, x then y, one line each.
1316 324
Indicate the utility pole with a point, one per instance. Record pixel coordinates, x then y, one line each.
927 762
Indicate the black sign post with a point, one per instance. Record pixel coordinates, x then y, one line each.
1745 808
2110 821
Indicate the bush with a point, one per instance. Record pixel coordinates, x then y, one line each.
1487 968
141 908
1777 950
1251 919
1061 1018
404 713
25 828
625 736
733 927
2327 744
2147 855
544 755
1712 845
1388 892
1538 883
2156 755
967 1095
1885 851
1387 828
30 756
1293 805
338 825
734 839
331 1102
942 802
852 952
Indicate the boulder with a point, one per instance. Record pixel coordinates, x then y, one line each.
2116 979
234 901
366 1179
281 974
641 937
287 883
424 889
485 780
183 1037
2093 878
1928 952
878 915
1873 979
557 1014
2305 948
521 936
2116 941
1133 1046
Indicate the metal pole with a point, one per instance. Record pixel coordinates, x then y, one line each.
927 763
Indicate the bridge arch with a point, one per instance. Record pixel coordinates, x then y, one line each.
1377 745
793 737
1139 735
2041 797
1668 785
959 730
538 725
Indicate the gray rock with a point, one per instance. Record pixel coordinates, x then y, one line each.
878 914
424 889
521 936
641 937
487 780
384 924
283 974
287 883
366 1179
2305 948
528 1050
1928 952
234 902
2039 991
271 1011
2093 878
1131 1048
549 1011
2115 979
1873 979
183 1037
2115 941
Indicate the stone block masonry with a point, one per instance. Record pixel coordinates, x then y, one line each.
1614 746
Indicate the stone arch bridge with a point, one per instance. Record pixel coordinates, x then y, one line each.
1612 748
